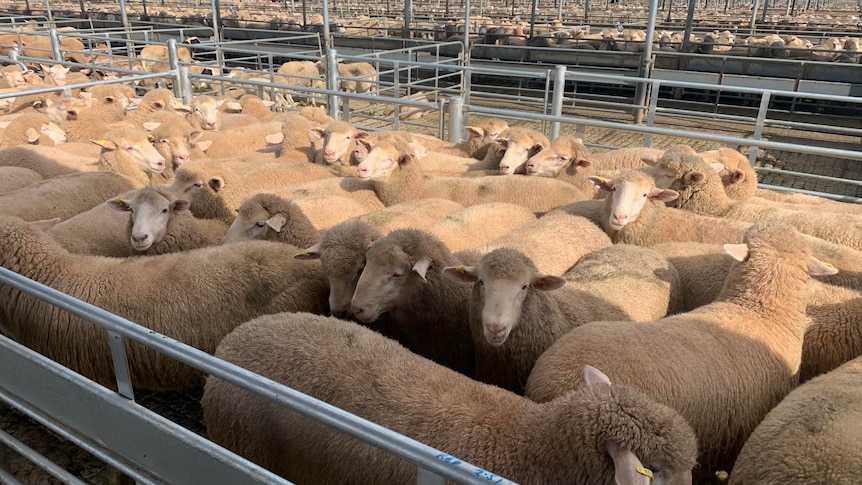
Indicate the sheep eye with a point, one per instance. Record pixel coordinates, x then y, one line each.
397 275
164 211
646 195
196 185
524 287
259 224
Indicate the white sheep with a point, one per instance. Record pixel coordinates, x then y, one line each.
403 276
325 211
271 218
701 192
396 178
236 282
32 129
520 144
516 312
240 140
812 436
723 366
413 214
205 114
602 434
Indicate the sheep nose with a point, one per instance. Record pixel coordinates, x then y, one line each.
140 239
361 171
329 153
495 329
504 168
620 217
357 310
531 167
182 158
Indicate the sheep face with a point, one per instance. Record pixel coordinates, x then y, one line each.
563 154
16 78
518 151
503 281
55 74
628 196
149 215
390 275
382 160
175 147
339 139
53 132
206 110
254 223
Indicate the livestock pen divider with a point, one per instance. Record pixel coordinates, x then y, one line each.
152 449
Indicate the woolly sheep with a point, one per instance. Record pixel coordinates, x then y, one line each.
395 177
403 276
325 211
568 159
92 120
146 221
32 129
237 141
520 145
14 178
558 442
64 196
554 242
811 437
361 191
479 224
723 366
254 106
516 313
258 273
159 99
271 218
205 113
634 213
701 192
356 77
479 139
175 143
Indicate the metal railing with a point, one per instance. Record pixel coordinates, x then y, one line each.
159 446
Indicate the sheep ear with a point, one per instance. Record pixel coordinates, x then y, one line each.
738 252
548 282
464 274
737 176
274 138
32 135
359 135
45 225
193 136
180 205
268 103
203 145
583 163
216 183
118 204
151 125
717 166
220 102
819 268
648 160
602 183
628 469
475 131
421 266
316 133
277 222
405 158
106 144
594 376
693 177
4 124
234 106
309 253
663 195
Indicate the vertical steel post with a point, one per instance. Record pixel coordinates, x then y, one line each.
533 19
55 45
560 10
587 11
216 14
467 76
327 41
754 16
646 62
653 104
121 365
456 118
124 16
758 125
689 24
174 63
50 14
408 9
765 9
185 84
332 84
557 99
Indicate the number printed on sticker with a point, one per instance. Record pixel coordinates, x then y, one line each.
488 476
451 460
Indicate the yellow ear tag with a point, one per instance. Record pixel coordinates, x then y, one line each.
101 143
645 472
306 253
118 200
460 268
827 264
603 180
150 136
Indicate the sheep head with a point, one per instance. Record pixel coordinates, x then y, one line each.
629 193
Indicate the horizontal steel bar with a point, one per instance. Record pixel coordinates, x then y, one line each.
842 198
38 459
857 183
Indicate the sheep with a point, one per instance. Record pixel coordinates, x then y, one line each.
554 242
55 75
723 366
625 158
812 436
361 191
403 276
479 224
271 218
176 143
339 139
145 221
154 57
237 141
325 211
217 188
254 106
391 169
634 213
136 155
701 192
14 178
356 77
32 129
413 214
520 145
40 48
64 196
516 312
559 442
237 283
155 100
295 140
205 114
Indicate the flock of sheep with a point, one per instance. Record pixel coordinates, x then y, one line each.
550 314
